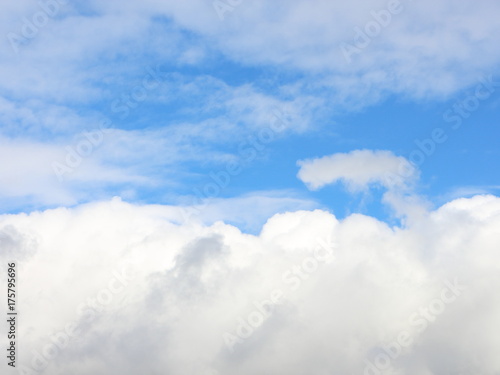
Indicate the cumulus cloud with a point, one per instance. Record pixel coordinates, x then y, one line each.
357 169
360 170
309 294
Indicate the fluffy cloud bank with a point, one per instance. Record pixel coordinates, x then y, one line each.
114 288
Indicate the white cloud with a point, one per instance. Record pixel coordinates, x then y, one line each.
429 49
189 284
45 174
452 44
358 169
54 150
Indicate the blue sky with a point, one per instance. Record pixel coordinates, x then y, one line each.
184 97
172 95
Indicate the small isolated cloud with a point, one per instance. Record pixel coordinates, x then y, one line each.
357 169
